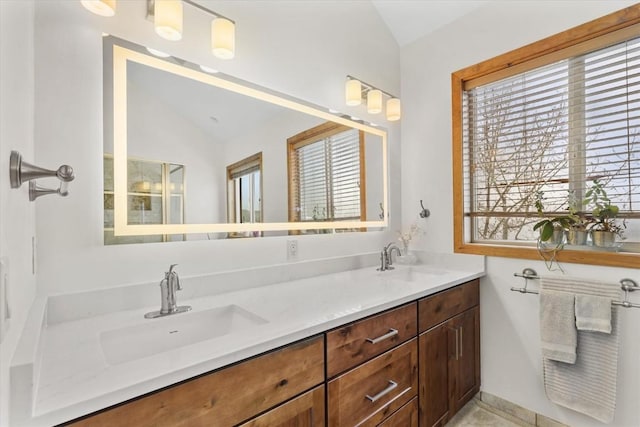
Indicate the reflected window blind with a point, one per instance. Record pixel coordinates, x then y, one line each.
326 177
551 131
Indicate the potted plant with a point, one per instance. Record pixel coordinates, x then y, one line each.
578 222
551 229
605 227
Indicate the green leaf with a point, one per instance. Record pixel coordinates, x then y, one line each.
547 232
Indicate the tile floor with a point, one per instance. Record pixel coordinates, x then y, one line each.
472 415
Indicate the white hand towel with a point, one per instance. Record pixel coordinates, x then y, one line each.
589 385
557 326
593 313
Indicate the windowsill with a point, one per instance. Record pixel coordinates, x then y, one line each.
614 257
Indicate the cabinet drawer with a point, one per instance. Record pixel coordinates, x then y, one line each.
306 410
444 305
407 416
360 341
226 397
371 392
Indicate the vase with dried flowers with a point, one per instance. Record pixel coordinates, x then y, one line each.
405 237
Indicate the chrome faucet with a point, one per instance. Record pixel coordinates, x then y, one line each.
168 288
386 259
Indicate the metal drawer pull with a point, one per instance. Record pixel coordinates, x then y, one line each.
392 333
461 342
392 385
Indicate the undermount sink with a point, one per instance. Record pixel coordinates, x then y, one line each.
414 273
173 331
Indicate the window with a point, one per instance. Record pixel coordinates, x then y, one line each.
155 195
326 174
244 191
547 128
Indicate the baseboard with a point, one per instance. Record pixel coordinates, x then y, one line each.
514 413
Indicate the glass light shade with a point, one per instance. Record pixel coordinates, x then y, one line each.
393 109
223 38
168 19
353 92
100 7
374 101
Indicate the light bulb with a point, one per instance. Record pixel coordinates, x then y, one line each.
394 110
374 101
353 92
100 7
168 19
223 38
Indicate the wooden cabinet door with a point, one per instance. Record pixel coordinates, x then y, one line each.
449 367
306 410
436 349
466 378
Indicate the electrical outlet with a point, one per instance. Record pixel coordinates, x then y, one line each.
5 314
292 250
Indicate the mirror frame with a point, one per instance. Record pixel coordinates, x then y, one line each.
121 55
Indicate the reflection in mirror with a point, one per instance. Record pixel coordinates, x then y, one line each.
258 164
327 174
244 193
155 195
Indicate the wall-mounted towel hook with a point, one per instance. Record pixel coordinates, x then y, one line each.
21 171
424 213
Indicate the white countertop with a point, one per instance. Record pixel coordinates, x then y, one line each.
72 377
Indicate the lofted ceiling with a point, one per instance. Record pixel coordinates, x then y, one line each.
410 20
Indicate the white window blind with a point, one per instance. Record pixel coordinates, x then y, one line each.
325 174
553 129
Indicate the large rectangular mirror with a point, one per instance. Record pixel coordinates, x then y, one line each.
191 153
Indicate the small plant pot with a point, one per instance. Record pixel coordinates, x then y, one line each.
558 237
576 237
603 239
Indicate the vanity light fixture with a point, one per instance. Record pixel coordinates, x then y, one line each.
356 89
100 7
223 29
167 19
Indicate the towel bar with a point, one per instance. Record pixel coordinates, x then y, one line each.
627 285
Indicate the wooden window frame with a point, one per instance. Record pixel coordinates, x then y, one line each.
231 217
311 136
602 32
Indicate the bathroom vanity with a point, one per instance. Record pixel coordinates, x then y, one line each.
418 361
355 347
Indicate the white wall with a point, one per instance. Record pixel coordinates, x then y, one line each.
270 138
303 49
163 134
511 365
17 214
